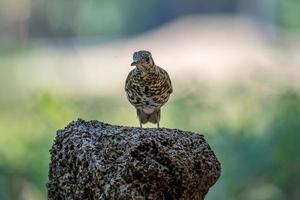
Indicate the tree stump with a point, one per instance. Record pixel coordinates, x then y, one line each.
93 160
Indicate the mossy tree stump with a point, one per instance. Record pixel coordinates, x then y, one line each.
93 160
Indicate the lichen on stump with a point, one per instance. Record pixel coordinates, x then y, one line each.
93 160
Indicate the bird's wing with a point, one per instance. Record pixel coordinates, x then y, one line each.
167 83
128 80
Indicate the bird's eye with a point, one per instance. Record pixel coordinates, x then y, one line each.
148 60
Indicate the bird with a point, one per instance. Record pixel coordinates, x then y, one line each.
148 87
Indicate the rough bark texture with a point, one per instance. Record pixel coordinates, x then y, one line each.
94 160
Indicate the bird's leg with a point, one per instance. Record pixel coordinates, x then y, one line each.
141 125
157 124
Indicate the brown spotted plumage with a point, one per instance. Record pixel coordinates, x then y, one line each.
148 87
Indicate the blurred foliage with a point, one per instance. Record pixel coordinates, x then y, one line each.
288 14
254 135
21 20
113 18
262 165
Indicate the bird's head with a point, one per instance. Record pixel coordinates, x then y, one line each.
143 60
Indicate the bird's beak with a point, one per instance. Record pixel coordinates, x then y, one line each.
134 63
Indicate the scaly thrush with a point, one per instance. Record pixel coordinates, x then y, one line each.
148 87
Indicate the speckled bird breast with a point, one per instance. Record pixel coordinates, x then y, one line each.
148 89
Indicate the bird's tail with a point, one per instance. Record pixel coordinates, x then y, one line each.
153 117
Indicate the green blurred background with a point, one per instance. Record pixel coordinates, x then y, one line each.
234 64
